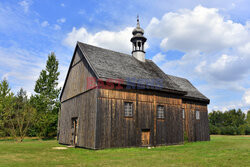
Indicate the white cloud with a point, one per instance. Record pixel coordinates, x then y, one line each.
199 67
62 5
202 29
25 4
229 68
57 27
45 24
216 48
118 41
246 97
158 58
61 20
21 67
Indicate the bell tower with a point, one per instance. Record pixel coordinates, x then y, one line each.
138 41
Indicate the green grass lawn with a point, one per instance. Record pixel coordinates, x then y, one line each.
220 151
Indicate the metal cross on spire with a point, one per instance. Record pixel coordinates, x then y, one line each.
138 23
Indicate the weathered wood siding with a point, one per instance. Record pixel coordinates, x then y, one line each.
170 129
83 107
77 78
116 130
78 100
196 130
113 130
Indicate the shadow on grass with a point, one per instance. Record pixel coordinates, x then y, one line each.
26 139
7 140
48 139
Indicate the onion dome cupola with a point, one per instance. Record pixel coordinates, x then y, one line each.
138 41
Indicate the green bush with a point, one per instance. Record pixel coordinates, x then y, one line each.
228 130
232 122
247 130
241 130
215 130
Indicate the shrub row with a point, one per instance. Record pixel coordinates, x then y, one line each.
230 130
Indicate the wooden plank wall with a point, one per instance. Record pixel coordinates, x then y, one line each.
84 107
170 129
77 77
78 101
115 130
196 130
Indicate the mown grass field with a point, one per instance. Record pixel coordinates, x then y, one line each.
220 151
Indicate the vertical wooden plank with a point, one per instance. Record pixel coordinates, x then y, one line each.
155 126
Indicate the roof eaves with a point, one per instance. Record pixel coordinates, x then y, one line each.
150 86
68 73
197 99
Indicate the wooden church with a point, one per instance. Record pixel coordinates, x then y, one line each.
111 99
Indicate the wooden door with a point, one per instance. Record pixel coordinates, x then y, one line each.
74 130
145 138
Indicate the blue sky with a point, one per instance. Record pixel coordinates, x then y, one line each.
205 41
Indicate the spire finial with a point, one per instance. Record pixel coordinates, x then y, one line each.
138 23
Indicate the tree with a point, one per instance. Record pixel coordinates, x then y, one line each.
6 103
47 82
46 100
247 132
4 88
234 118
230 122
20 116
248 118
216 118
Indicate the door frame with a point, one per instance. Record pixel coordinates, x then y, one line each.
74 128
143 131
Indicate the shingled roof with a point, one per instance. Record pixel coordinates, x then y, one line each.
185 85
110 64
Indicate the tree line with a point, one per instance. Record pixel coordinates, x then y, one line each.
36 115
231 122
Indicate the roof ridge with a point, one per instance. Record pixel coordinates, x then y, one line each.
104 48
124 54
176 76
186 80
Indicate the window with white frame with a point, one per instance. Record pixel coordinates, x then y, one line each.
160 111
183 113
197 114
128 109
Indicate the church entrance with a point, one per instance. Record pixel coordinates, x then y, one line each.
145 137
74 129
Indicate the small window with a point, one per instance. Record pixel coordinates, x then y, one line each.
183 113
197 114
128 109
160 111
